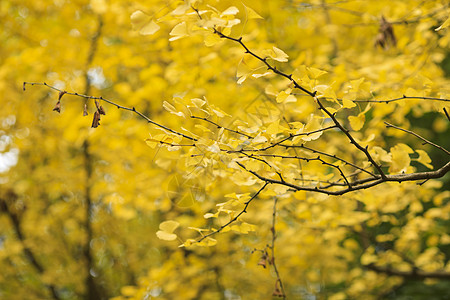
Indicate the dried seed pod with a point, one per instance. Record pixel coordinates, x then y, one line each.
57 106
96 120
85 112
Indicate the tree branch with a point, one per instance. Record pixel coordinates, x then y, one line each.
244 210
132 109
414 274
418 136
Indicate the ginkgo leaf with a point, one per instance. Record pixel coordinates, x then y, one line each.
242 69
251 14
246 227
169 226
259 139
150 28
218 112
357 122
187 243
313 124
198 102
400 158
347 103
178 32
152 142
166 232
274 128
139 19
212 39
180 9
379 154
144 23
315 73
211 215
424 159
286 97
444 25
162 235
208 242
170 108
356 84
258 75
279 55
230 11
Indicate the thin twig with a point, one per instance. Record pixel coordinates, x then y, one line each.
358 184
351 138
402 98
294 135
244 210
132 109
446 114
279 289
418 136
220 126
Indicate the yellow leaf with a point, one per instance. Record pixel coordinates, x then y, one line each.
220 113
444 25
259 139
210 215
243 71
246 228
251 14
315 73
286 97
151 142
212 39
178 32
312 125
274 128
347 103
198 102
139 19
187 200
187 243
209 242
379 154
162 235
424 159
230 11
261 74
355 84
180 9
169 226
170 108
400 158
150 28
412 92
279 55
357 122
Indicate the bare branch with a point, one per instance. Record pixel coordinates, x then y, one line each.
414 274
132 109
279 288
446 114
402 98
418 136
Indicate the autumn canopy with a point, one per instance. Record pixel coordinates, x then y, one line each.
210 149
